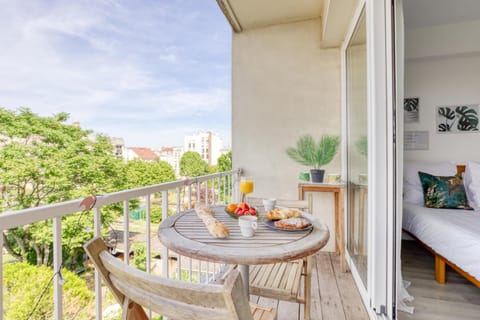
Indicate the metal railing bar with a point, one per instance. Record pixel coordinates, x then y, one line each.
177 210
189 196
197 186
164 254
148 262
206 193
97 226
179 267
227 189
199 271
190 270
57 268
126 233
147 233
12 219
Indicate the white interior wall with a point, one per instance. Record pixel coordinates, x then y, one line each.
284 86
442 69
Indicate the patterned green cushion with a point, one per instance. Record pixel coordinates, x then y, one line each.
443 192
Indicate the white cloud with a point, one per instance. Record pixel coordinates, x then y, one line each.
105 63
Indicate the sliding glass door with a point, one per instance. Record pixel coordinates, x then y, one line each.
371 102
357 149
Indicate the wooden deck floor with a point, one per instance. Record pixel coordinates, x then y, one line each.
334 294
457 299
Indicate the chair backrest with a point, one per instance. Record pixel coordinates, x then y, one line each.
175 299
304 205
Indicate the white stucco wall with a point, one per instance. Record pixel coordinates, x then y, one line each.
442 78
284 86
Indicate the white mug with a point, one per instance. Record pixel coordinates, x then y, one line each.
248 225
269 204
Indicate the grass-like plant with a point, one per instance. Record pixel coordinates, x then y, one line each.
362 145
312 154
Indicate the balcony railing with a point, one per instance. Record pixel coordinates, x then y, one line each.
210 189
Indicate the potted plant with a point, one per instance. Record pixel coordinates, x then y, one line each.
316 155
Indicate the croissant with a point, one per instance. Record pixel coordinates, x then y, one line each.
282 213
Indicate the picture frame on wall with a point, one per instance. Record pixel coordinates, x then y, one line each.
415 140
458 119
410 109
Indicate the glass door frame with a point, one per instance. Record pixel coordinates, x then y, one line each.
380 292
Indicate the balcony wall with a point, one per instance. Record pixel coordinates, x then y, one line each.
284 85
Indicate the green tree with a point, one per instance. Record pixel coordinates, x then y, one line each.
43 161
140 256
225 162
192 165
142 173
23 284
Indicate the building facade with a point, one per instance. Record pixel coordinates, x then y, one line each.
171 155
209 145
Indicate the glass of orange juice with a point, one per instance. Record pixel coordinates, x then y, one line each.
246 186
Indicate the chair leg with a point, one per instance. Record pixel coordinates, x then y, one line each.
133 311
307 286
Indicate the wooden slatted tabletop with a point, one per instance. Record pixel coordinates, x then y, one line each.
186 234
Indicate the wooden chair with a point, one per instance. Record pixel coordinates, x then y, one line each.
283 280
135 289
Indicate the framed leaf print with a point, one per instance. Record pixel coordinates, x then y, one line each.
410 109
457 119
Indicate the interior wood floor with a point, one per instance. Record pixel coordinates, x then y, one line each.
334 294
457 299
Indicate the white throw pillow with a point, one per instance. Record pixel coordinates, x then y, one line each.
412 187
471 181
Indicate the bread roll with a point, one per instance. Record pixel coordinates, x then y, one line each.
215 227
203 212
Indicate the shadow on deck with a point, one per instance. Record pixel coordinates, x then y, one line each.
334 294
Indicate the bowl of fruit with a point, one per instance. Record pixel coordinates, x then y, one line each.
241 209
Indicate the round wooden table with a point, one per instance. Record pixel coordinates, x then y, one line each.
186 234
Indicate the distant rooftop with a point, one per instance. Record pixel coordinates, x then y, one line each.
144 153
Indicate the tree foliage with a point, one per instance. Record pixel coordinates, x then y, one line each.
43 161
192 165
225 162
23 284
141 173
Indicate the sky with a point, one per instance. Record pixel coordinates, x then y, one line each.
149 71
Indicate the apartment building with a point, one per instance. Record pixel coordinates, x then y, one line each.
209 145
172 156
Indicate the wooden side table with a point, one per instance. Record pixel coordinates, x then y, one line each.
338 191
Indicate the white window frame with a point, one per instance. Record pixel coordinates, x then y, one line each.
383 192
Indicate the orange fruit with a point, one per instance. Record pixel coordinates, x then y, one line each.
231 207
